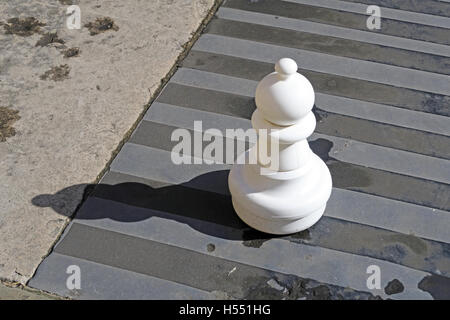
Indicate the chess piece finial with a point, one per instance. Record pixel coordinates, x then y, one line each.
293 196
284 96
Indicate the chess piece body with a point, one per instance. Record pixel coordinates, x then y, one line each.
291 197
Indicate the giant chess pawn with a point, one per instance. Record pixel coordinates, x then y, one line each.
291 197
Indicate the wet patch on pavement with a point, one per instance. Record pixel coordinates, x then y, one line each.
7 118
322 148
408 250
415 244
101 25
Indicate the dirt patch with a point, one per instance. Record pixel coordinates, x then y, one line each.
255 239
393 287
437 286
101 25
7 119
304 235
23 26
72 52
290 287
57 73
49 38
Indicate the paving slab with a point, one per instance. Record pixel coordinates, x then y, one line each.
152 224
67 99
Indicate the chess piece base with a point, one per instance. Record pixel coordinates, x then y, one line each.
280 202
278 227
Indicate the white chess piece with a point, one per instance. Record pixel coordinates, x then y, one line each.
293 197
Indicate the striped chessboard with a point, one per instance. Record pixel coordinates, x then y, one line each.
155 230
